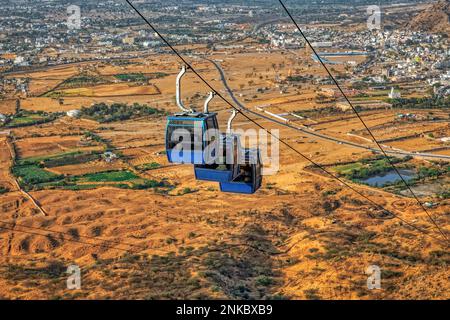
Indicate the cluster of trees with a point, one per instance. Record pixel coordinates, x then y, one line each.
394 160
298 78
330 205
103 113
139 76
421 103
131 77
149 166
152 184
360 85
432 172
95 137
329 110
374 167
445 195
3 190
157 75
83 80
24 118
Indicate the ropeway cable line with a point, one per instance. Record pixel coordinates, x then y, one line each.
189 66
69 240
363 122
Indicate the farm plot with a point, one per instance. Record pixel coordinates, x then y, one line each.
86 168
45 146
65 171
113 90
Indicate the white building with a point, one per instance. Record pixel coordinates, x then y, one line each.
109 156
322 44
19 60
73 113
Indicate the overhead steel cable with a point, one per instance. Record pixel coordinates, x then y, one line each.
188 65
68 234
364 123
69 240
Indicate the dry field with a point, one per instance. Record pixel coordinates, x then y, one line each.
109 91
5 163
302 236
48 104
7 106
89 167
33 147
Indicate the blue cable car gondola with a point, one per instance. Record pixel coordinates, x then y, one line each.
250 178
227 167
193 137
188 133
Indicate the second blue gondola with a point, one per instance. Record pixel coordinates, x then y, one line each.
226 168
250 178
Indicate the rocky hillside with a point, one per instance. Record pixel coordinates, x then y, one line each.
435 18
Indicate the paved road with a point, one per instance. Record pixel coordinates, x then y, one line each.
319 135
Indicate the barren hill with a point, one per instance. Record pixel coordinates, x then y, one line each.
436 18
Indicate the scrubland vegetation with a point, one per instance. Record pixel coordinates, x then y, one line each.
104 113
24 118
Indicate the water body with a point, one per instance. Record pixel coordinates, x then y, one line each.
389 177
325 60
